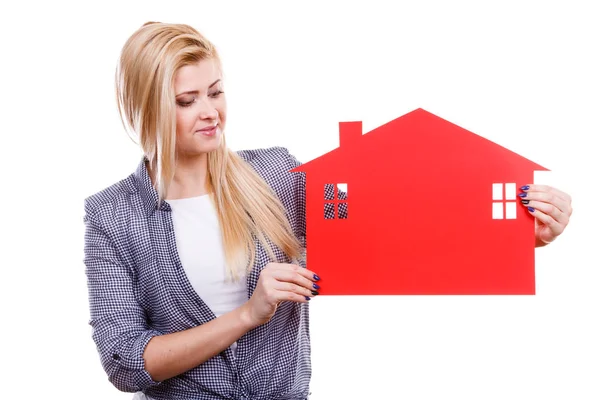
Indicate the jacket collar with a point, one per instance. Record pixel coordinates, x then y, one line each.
146 190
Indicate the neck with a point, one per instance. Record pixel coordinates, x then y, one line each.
191 177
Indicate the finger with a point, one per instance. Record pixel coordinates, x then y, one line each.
305 272
550 210
275 293
555 227
295 277
292 287
547 189
547 197
308 274
285 295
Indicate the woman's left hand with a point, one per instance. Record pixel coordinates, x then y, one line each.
550 207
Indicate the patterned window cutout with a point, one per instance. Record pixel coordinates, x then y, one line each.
336 201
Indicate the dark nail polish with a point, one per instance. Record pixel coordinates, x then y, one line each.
316 286
522 194
531 209
314 293
525 201
307 298
525 187
316 277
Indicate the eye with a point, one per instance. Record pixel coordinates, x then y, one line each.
216 94
186 102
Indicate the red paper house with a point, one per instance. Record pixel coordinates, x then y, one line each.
419 206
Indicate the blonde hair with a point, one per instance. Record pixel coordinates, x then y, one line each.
247 207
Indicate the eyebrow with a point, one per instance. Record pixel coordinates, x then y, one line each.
195 91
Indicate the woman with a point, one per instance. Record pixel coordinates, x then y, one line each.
196 283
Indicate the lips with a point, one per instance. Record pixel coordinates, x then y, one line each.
208 131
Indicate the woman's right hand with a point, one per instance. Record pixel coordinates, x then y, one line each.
278 283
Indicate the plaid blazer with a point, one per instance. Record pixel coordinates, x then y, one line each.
138 290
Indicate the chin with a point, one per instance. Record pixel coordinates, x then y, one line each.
210 147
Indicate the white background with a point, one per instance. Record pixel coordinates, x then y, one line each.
523 74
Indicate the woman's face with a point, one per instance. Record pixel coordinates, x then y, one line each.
201 108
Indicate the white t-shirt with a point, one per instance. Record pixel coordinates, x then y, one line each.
200 249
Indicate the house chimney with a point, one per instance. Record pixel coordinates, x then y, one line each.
350 132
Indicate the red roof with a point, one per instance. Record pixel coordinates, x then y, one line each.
411 134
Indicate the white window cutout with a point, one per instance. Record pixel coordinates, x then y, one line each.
500 192
511 210
510 191
497 211
343 187
497 191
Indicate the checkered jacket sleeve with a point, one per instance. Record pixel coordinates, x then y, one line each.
120 328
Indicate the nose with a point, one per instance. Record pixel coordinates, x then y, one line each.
207 110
